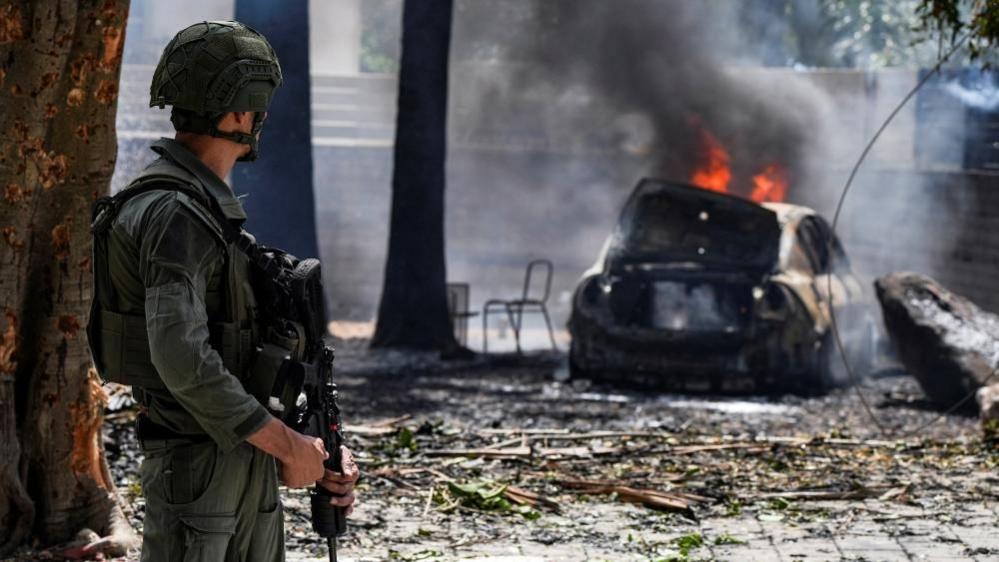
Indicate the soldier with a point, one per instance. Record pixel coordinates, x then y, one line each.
174 315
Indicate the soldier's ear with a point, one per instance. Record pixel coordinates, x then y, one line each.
243 119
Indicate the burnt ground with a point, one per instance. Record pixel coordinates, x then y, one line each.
497 460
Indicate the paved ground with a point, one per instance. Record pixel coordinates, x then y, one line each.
874 532
751 478
932 496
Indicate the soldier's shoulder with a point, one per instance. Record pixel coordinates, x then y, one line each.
163 170
159 199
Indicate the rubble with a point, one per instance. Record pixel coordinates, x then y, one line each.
988 404
950 345
634 478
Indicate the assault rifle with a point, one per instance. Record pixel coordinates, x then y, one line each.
295 300
327 520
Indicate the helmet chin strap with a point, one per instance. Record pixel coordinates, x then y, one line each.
249 139
207 124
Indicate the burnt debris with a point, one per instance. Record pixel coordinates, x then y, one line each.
950 345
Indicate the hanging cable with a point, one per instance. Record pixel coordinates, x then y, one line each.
839 208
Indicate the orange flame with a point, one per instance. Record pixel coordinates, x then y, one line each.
715 173
769 185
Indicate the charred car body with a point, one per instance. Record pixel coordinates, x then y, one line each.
706 291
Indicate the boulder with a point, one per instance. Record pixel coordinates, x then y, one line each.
947 342
988 402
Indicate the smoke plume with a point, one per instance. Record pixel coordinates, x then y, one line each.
658 75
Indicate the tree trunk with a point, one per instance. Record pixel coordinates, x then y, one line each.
413 311
280 201
59 68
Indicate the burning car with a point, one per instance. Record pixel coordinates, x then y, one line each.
702 290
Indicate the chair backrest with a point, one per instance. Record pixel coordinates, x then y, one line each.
457 298
538 288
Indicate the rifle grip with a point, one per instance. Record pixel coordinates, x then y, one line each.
329 520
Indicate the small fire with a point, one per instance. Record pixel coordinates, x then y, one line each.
769 185
715 172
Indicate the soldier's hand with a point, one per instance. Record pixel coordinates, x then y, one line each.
305 465
341 484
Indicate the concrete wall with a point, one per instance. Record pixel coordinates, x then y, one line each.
510 201
945 224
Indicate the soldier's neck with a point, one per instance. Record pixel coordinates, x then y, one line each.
219 155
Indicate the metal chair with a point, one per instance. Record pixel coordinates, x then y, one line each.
530 302
458 297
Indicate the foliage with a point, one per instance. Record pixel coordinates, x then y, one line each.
684 545
734 509
380 35
484 496
869 33
688 542
990 430
727 539
873 34
950 20
401 443
835 33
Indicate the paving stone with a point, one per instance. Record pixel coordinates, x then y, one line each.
935 550
554 553
744 553
508 559
867 543
977 537
810 549
600 555
876 555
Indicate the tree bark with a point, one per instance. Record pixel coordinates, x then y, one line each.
60 62
280 202
413 312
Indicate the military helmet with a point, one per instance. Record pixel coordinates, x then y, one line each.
212 68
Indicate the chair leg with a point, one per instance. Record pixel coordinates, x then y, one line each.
485 330
548 322
515 324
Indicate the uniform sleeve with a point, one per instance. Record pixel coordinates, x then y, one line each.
177 255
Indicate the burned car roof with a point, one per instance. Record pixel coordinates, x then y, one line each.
675 222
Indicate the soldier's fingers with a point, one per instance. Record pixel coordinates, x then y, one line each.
350 509
342 501
350 469
336 487
334 476
318 444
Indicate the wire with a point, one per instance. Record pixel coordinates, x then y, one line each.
839 208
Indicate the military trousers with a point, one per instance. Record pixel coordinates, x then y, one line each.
203 505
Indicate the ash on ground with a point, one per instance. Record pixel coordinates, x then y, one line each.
495 459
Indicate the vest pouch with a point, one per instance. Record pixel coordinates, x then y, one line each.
122 347
268 362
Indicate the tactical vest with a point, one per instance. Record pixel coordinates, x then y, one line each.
119 342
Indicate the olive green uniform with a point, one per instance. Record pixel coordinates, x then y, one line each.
210 496
174 313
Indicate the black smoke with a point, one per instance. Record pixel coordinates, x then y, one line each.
660 72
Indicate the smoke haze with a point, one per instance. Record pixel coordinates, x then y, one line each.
656 74
559 107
